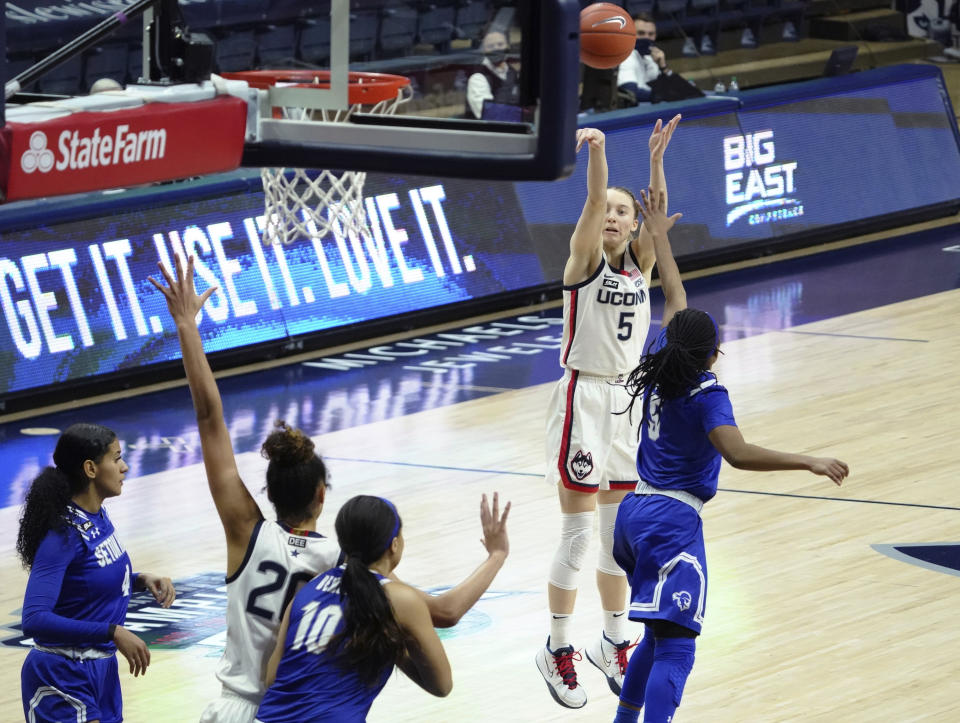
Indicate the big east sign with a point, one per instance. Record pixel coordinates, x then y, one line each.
95 150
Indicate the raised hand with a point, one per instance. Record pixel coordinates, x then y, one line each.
133 649
661 135
832 468
593 137
658 57
494 525
182 300
653 209
160 587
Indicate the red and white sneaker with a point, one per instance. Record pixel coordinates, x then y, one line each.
611 659
556 667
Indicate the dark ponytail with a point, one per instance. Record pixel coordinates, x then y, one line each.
674 369
50 493
372 640
294 473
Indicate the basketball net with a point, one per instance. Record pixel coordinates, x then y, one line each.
304 203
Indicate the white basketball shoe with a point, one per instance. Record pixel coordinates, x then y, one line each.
556 667
611 658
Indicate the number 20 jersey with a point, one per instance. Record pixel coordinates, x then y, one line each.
605 319
277 560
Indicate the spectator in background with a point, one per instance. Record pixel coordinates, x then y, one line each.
494 79
645 64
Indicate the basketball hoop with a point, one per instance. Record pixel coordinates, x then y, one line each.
305 203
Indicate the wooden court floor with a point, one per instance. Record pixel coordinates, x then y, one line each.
805 621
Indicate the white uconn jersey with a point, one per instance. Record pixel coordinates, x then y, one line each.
277 561
605 319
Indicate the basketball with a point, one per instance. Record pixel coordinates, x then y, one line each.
607 35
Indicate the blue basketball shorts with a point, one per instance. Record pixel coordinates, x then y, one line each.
55 689
658 541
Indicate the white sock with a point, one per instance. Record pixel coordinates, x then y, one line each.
560 631
614 624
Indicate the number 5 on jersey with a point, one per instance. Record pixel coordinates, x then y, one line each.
625 327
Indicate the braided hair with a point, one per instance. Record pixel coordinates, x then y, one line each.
45 505
675 368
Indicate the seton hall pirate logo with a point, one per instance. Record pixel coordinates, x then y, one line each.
581 464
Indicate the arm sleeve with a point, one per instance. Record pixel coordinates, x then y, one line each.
478 90
53 556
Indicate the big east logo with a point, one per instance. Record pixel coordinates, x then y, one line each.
756 187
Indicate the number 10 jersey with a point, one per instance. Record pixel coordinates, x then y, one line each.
277 561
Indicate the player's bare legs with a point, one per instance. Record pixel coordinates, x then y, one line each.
608 652
562 601
613 588
555 660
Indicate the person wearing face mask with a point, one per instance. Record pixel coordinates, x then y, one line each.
494 79
645 64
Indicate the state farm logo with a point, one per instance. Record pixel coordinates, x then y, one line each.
37 156
77 152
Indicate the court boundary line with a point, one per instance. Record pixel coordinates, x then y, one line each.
758 330
852 336
719 489
840 499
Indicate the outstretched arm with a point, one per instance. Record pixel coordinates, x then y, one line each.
729 442
653 208
238 511
447 609
659 140
426 661
586 243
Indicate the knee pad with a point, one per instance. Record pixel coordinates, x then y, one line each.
575 532
677 655
605 562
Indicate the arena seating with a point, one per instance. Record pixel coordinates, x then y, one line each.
287 33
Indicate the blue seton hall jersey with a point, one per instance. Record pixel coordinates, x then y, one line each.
310 686
79 584
675 452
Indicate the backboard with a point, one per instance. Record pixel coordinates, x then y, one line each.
457 54
459 57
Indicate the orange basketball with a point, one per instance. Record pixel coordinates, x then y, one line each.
607 35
